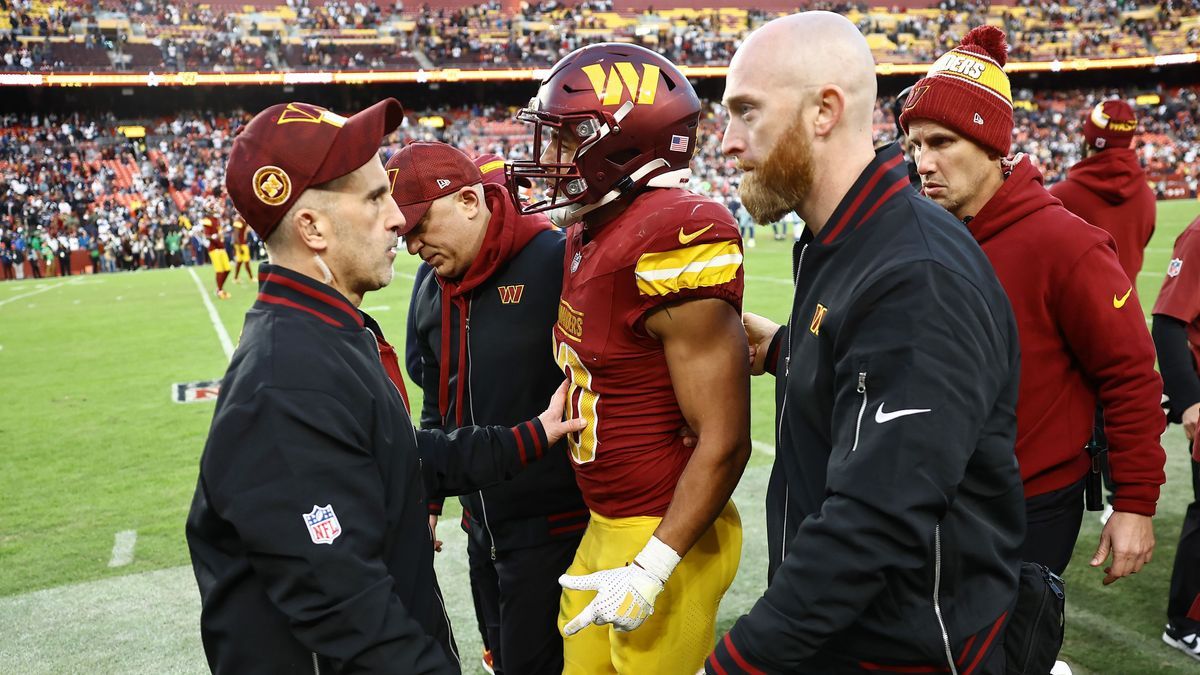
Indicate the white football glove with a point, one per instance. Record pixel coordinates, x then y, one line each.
625 595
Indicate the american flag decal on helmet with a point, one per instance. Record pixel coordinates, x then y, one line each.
679 143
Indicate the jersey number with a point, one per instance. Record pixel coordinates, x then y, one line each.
582 402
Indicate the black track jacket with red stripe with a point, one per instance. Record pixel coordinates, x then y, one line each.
309 532
488 358
894 512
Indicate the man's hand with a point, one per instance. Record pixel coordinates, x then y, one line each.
1129 537
759 333
552 418
437 543
1190 417
625 595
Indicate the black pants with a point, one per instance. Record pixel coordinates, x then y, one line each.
1052 526
518 594
1185 579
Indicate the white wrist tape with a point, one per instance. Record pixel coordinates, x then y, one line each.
658 559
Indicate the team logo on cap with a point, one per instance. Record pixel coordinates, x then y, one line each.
303 112
272 185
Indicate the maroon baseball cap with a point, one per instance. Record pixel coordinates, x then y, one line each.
424 171
290 147
1111 124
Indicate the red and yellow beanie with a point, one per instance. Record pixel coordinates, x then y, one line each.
967 91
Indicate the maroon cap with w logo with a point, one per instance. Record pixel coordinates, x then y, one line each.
290 147
425 171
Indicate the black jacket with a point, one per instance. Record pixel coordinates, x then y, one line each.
510 373
895 504
308 531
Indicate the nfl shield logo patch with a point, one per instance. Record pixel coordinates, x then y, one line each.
1175 266
322 523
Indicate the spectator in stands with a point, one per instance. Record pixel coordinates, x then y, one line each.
1083 336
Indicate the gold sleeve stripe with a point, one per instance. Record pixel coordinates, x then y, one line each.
699 266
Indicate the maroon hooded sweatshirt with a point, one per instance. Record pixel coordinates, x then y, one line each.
1109 190
1083 336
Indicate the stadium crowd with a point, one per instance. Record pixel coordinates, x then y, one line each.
79 184
298 34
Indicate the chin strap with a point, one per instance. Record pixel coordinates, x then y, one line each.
565 216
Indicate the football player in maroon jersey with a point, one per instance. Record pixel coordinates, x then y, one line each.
649 334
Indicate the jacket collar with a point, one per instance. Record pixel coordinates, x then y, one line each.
884 178
285 288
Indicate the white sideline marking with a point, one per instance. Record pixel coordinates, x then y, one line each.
764 448
381 308
41 289
222 334
406 275
122 553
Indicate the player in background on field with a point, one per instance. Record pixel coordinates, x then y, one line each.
241 249
214 235
1083 335
1176 329
650 337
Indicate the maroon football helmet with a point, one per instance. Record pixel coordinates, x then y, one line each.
632 116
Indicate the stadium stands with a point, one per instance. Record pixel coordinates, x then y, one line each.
117 184
338 34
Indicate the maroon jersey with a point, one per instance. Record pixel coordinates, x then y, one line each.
213 234
240 231
668 245
1180 294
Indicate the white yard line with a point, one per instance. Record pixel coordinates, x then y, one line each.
222 334
379 308
122 552
40 290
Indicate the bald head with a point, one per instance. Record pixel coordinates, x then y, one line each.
802 52
800 94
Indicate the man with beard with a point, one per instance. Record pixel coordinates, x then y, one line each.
648 333
894 513
1083 334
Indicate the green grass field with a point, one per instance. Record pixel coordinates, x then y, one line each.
91 446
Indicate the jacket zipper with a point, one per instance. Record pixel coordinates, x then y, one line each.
316 665
450 629
937 584
862 391
471 409
787 369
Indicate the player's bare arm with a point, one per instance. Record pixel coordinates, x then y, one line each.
705 347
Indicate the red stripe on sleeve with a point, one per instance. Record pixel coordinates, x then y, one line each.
520 445
737 657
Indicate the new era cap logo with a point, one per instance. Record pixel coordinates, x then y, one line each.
442 183
978 119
